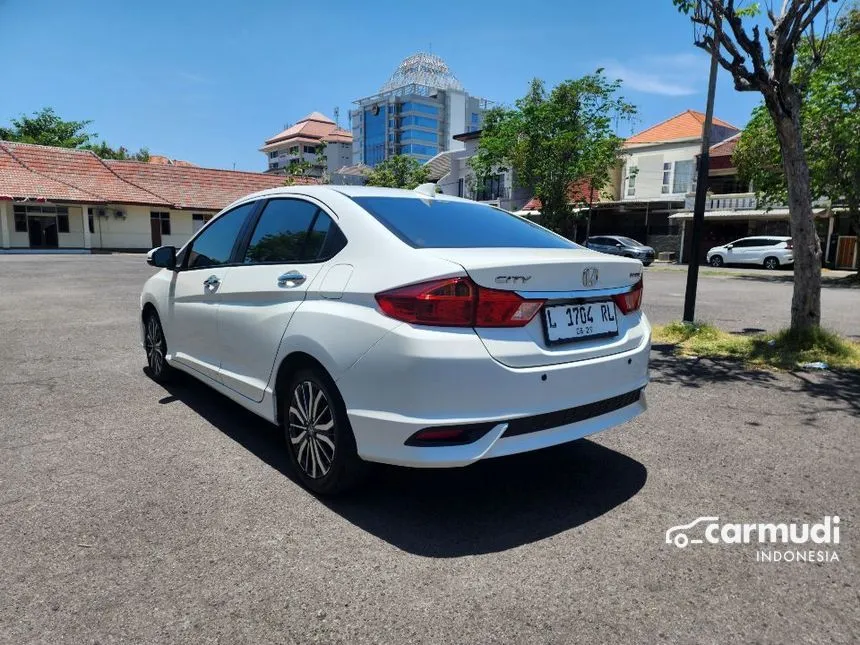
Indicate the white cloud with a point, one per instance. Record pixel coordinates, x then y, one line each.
666 75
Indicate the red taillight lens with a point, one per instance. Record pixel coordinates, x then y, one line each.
630 301
457 302
789 245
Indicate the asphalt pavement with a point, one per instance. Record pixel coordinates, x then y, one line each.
131 512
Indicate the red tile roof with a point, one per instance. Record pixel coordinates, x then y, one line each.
687 125
81 170
193 187
65 175
314 126
579 192
725 148
167 161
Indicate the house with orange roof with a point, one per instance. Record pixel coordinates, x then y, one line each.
315 139
55 199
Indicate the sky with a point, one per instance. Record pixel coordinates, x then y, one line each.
208 82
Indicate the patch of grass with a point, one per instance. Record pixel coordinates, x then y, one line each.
783 350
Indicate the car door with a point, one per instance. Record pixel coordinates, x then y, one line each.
736 252
755 250
290 243
192 321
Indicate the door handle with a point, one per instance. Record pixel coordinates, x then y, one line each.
291 279
211 283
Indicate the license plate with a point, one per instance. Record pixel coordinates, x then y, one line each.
564 323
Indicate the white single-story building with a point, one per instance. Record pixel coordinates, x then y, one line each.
59 198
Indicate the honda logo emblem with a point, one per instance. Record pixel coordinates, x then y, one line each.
589 276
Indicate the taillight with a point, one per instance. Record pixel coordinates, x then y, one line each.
789 244
457 302
630 301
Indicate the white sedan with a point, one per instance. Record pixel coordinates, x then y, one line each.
395 326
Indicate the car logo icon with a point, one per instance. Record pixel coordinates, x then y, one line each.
589 276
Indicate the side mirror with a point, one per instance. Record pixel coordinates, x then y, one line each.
730 246
618 245
164 257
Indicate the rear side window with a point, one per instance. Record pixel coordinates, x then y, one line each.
293 230
437 223
214 246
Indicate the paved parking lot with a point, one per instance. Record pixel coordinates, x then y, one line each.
134 513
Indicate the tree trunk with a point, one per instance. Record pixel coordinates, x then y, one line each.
806 301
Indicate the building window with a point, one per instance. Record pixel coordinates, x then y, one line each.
474 118
492 188
683 176
294 150
165 221
409 106
417 149
667 172
273 165
273 154
62 219
310 149
198 220
91 224
20 221
631 181
420 135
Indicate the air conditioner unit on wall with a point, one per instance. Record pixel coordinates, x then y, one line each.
119 214
101 212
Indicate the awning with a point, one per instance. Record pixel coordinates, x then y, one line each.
772 214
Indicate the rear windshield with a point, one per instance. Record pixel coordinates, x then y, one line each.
436 223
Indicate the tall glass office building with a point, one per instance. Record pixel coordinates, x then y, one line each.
417 112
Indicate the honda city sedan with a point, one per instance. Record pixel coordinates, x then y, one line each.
397 326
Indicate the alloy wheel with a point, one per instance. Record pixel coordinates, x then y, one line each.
154 344
311 429
771 263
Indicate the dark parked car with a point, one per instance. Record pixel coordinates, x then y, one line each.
619 245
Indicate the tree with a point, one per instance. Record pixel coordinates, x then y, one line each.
552 140
830 126
722 30
104 151
45 128
398 171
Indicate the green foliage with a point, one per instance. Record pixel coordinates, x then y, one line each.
104 151
830 121
399 171
45 128
553 139
782 350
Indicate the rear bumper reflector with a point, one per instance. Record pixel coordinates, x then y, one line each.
549 420
471 432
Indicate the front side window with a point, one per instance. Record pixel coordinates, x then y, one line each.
440 223
281 233
214 246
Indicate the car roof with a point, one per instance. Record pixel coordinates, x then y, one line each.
349 191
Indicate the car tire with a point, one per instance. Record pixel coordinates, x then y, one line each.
647 263
155 346
319 438
716 261
771 263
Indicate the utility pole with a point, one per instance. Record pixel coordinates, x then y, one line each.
702 183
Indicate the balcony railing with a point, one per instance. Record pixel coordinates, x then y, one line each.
727 202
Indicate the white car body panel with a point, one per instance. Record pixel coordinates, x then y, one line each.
395 377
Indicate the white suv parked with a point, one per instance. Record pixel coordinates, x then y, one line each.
399 326
769 251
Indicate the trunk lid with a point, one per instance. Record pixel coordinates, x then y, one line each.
559 276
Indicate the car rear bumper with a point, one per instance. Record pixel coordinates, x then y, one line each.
416 378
